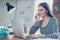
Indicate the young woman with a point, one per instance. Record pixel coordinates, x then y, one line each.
48 26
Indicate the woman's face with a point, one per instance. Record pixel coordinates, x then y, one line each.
42 11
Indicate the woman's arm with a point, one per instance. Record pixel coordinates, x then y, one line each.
55 30
34 28
35 25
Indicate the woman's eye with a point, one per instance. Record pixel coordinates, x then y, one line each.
41 10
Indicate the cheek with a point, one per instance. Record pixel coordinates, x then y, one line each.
43 13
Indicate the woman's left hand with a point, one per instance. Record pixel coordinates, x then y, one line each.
38 36
41 36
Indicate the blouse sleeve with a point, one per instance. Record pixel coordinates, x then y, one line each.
34 28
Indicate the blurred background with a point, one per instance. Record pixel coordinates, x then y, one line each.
23 7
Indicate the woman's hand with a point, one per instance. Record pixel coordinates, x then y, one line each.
41 35
36 19
36 36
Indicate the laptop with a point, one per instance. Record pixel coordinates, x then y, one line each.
18 28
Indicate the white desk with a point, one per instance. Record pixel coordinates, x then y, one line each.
16 38
44 39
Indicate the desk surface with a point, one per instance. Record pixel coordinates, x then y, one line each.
44 39
16 38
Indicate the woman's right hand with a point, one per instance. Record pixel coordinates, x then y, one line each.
36 19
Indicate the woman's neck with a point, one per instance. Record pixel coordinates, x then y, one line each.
46 17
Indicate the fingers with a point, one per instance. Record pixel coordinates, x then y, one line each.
41 36
37 15
29 36
35 36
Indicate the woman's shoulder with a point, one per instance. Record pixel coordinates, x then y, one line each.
54 19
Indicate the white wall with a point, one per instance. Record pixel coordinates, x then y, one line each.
25 10
5 17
